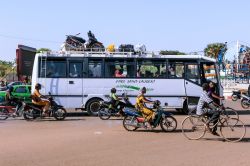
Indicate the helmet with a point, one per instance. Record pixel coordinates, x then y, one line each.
38 86
143 90
113 90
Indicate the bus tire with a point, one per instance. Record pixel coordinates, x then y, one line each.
184 109
93 106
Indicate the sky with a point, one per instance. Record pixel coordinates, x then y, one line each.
184 25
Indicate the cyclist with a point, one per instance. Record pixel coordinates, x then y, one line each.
212 113
39 99
140 105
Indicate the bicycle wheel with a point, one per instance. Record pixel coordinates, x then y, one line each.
232 113
4 113
193 128
233 130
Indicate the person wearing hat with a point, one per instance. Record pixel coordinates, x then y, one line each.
140 105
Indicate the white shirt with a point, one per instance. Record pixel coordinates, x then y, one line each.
204 98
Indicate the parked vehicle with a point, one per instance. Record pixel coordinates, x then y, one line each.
236 95
134 120
13 110
22 92
107 110
245 101
33 111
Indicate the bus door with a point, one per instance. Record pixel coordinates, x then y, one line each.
74 83
192 82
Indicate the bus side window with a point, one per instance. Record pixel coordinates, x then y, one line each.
176 70
56 69
151 69
75 69
119 68
192 73
95 68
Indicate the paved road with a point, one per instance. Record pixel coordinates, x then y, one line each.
89 141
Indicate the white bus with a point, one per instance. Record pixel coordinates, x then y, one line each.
82 79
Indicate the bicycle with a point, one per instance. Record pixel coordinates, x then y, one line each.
227 111
194 127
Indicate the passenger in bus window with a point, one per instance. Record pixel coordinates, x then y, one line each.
96 70
171 72
118 73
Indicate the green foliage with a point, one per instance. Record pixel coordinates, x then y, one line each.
212 50
43 50
171 52
5 67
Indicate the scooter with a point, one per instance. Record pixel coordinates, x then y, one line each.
33 111
236 95
245 101
107 110
134 120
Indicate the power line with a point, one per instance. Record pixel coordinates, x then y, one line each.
22 38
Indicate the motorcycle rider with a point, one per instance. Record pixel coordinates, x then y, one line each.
115 100
39 99
140 105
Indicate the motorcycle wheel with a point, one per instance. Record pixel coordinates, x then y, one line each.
28 115
60 114
244 103
168 123
234 98
4 114
127 121
104 114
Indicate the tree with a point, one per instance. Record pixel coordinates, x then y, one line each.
5 67
43 50
171 52
213 50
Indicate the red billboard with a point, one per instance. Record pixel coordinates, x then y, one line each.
24 59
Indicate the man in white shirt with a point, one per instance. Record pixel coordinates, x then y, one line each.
211 112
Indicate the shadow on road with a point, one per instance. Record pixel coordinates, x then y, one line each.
158 131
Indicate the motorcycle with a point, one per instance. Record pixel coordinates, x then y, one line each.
79 44
14 109
107 110
236 95
134 120
33 111
245 101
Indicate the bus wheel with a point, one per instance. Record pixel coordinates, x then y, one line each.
93 106
183 110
